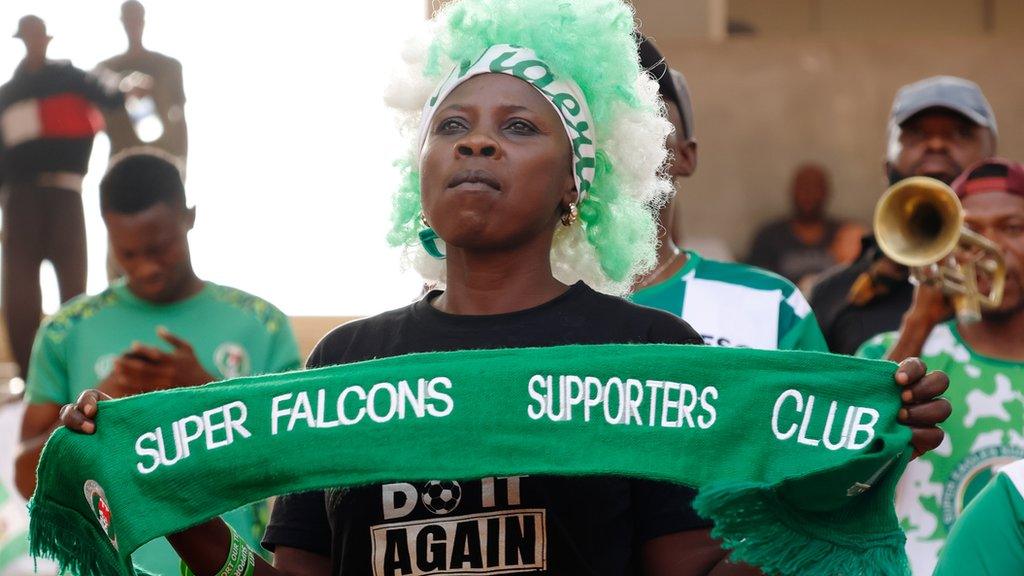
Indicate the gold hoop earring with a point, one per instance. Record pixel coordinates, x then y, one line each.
570 215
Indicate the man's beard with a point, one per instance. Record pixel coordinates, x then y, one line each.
895 175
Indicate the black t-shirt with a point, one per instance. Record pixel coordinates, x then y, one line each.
541 525
777 248
845 325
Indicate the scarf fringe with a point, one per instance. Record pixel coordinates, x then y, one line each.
759 530
62 535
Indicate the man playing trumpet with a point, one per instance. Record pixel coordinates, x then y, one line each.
984 360
938 127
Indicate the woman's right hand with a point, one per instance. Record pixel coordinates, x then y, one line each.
80 416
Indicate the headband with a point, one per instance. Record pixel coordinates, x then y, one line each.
991 175
562 92
982 185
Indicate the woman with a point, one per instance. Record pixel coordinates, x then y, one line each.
509 200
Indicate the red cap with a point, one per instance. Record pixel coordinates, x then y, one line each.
991 175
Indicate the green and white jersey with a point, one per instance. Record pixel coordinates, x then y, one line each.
737 305
988 539
985 432
233 334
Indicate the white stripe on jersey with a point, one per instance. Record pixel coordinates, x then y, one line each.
728 314
799 304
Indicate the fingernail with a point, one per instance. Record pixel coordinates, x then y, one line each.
89 409
907 396
903 414
88 427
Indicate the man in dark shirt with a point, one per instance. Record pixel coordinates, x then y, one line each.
807 241
937 128
544 525
47 124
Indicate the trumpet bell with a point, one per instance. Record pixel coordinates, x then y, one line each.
918 221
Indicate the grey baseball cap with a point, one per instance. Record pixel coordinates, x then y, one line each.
956 94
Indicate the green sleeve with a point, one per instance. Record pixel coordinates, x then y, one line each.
988 539
47 380
284 350
805 334
798 328
877 346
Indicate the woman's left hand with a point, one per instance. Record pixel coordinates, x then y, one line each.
922 408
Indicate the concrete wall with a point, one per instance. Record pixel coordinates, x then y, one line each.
816 83
763 105
876 18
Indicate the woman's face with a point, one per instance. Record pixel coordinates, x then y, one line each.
495 172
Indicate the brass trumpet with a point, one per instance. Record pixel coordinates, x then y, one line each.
919 223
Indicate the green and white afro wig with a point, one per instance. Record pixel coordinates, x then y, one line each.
591 43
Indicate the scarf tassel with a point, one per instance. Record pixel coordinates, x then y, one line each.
62 535
760 530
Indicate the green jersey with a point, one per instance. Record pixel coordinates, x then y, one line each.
233 334
988 539
985 432
733 304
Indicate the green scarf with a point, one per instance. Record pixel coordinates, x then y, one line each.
747 427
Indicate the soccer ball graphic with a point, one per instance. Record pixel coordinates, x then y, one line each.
441 496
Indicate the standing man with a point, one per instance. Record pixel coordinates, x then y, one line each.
168 91
729 304
160 328
47 124
168 95
985 364
938 127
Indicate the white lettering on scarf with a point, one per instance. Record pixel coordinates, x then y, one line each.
382 403
793 416
629 401
219 427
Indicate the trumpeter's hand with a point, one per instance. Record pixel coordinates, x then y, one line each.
929 307
923 410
